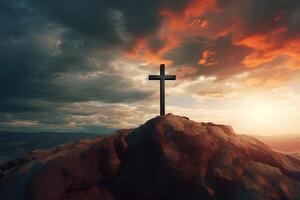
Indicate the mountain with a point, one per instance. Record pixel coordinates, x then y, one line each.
289 144
15 144
169 157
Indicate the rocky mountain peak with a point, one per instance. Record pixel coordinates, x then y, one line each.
168 157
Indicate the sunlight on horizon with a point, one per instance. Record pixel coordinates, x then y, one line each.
258 114
264 116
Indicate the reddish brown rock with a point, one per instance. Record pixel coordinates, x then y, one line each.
168 157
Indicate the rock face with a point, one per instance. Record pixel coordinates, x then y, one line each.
168 157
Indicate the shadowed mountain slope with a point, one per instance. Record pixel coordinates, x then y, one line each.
14 144
168 157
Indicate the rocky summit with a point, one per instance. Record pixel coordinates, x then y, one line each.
169 157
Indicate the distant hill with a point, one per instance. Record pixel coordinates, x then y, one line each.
13 144
168 157
289 144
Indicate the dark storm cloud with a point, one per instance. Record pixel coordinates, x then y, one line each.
224 3
30 60
29 64
261 16
142 17
107 88
92 18
176 5
155 44
189 53
293 19
43 41
99 18
21 57
226 59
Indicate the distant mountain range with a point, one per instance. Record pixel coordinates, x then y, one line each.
290 144
13 144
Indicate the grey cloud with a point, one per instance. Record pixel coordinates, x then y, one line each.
155 44
228 57
294 22
98 18
29 65
188 53
42 41
260 16
105 87
86 116
91 18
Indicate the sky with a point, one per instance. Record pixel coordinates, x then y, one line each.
82 66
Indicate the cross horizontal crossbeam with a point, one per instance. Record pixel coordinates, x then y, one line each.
159 77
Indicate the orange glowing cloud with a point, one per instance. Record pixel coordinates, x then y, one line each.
200 23
254 41
176 26
142 51
266 83
186 71
269 46
197 8
208 58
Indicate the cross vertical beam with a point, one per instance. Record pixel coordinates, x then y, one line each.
162 90
162 77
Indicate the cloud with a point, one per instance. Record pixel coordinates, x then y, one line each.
212 57
241 34
268 27
55 55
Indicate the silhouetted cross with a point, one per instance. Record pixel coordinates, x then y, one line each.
162 77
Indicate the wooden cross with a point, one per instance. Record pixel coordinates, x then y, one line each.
162 77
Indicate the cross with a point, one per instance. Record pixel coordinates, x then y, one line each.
162 77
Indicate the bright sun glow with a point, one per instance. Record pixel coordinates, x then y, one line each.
258 114
265 115
262 112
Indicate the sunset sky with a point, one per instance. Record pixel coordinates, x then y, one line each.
82 65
